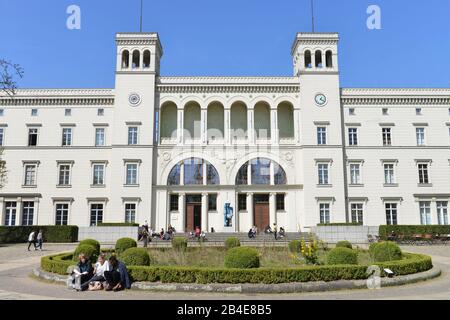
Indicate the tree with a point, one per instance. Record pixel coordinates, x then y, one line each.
8 73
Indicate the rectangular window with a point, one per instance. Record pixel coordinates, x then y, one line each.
420 136
100 112
130 212
99 137
68 112
387 139
98 177
357 213
67 137
64 175
418 111
353 136
2 112
132 174
280 202
96 213
442 212
10 213
2 136
323 173
351 111
425 212
34 112
212 202
32 137
355 173
27 213
391 213
132 135
321 135
62 214
385 111
389 177
242 202
173 202
423 173
30 175
324 212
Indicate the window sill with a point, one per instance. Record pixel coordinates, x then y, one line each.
356 185
131 185
64 186
390 185
29 187
425 185
98 186
213 211
281 211
324 186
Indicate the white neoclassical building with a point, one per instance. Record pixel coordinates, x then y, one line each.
226 152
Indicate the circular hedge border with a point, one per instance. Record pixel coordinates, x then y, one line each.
412 263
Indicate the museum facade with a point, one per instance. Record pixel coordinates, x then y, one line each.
226 152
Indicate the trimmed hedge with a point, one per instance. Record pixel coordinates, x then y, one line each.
123 244
408 230
93 243
232 242
242 257
295 246
343 256
385 251
344 244
135 257
340 224
52 234
412 263
88 250
118 224
179 244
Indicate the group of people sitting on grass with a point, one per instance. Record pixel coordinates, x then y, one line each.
110 274
278 234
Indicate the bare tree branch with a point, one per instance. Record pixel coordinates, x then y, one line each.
8 73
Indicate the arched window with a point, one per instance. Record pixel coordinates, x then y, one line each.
308 59
262 121
169 120
146 59
196 171
329 59
136 59
318 57
260 169
215 121
285 117
192 121
125 59
238 121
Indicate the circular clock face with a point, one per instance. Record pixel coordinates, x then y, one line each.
321 99
134 99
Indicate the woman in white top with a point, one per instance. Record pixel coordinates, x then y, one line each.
100 267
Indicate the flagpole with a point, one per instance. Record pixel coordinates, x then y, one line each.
312 15
140 28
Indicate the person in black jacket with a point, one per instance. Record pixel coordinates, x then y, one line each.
117 277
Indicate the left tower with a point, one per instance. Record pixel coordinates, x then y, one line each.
133 130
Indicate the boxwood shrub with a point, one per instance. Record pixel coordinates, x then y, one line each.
179 244
89 250
342 256
344 244
123 244
232 242
52 234
294 246
385 251
412 263
242 257
93 243
135 257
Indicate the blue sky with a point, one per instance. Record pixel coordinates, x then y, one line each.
227 38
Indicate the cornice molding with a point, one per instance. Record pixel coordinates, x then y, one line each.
193 89
387 101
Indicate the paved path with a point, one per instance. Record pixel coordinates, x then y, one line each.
16 265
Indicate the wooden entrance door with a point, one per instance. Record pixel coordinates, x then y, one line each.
261 215
193 216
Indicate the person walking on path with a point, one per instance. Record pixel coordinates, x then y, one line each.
32 240
40 240
145 236
275 230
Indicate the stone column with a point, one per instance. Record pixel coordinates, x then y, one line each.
324 61
36 212
272 173
204 125
180 126
297 125
19 209
274 126
227 127
204 212
249 173
2 211
250 208
273 208
181 209
250 127
313 60
182 174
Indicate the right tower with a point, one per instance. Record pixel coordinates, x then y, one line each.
315 59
